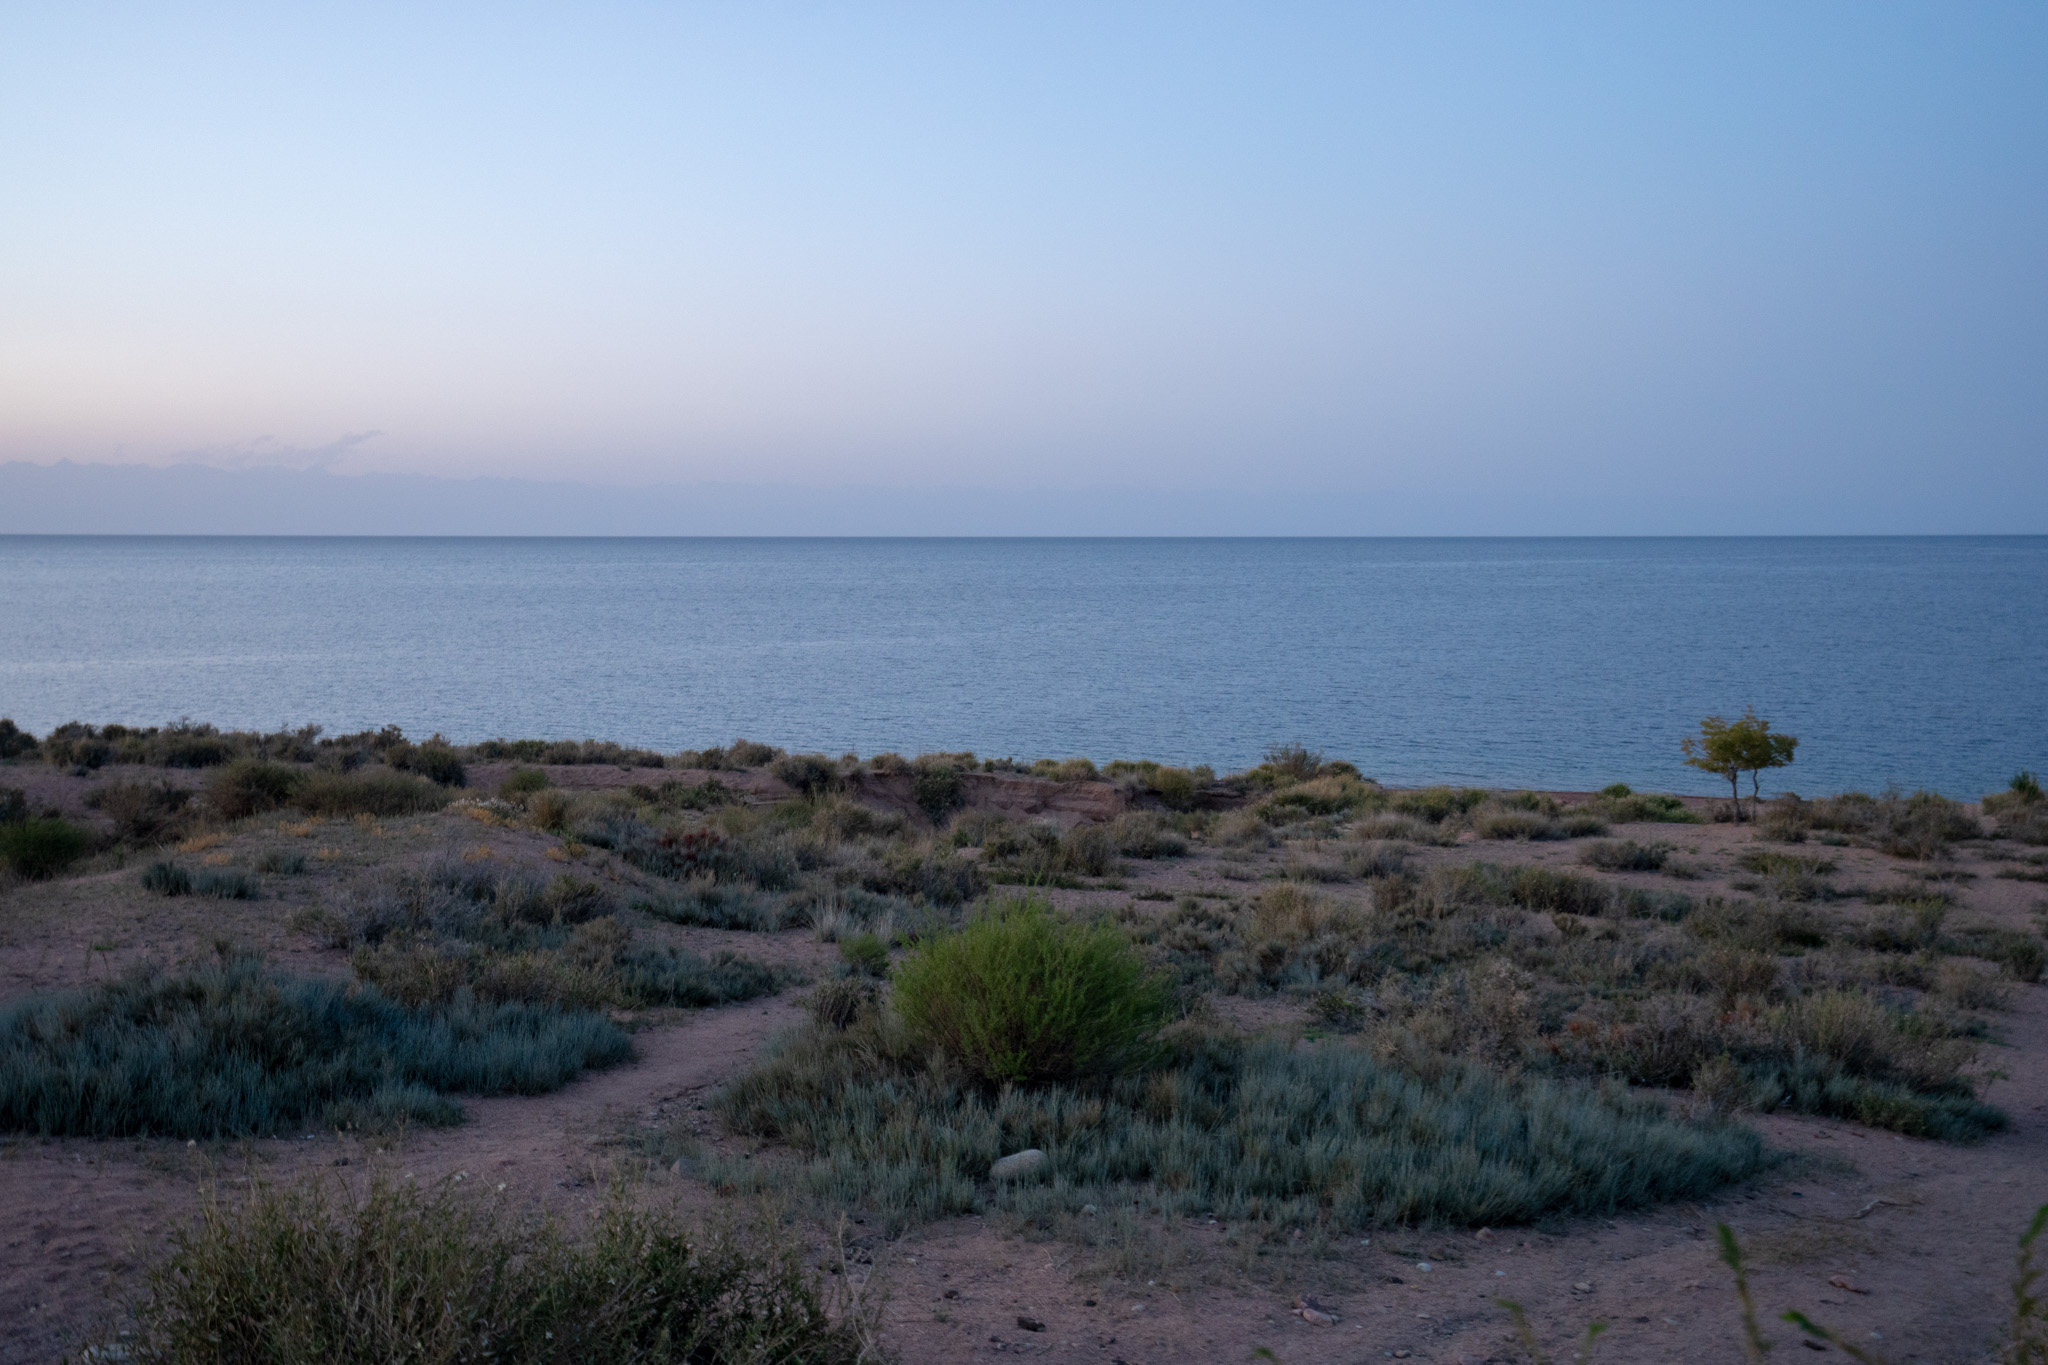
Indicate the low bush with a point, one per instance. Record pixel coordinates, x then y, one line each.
935 786
1517 824
226 885
1021 994
167 879
375 792
42 848
1259 1133
13 805
1922 825
313 1274
14 741
147 811
250 786
1141 834
1625 855
1435 805
1040 855
808 774
1620 805
709 904
435 760
524 782
234 1050
282 862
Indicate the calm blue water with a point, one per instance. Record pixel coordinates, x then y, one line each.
1566 663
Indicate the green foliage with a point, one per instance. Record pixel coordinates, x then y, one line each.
524 782
143 812
377 792
1621 805
13 805
167 879
226 885
14 741
251 786
935 786
1262 1133
435 760
1021 994
1625 855
234 1050
42 848
315 1276
1729 749
1142 834
808 774
866 954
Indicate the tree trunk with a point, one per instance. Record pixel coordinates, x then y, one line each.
1735 792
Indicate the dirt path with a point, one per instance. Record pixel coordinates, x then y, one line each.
78 1217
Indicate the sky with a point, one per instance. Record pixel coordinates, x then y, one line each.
1558 268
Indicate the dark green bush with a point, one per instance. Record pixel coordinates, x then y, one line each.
1623 806
1141 834
314 1276
143 812
1435 805
42 848
865 954
435 760
935 786
1625 855
226 885
15 742
234 1050
521 781
282 862
13 805
378 792
810 774
167 879
1022 994
251 786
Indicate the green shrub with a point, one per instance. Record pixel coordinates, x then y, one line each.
1625 855
1260 1133
13 805
372 792
1623 806
1434 805
935 786
523 782
1021 994
167 879
42 848
434 760
251 786
714 905
226 885
234 1050
808 774
315 1276
142 812
15 742
1516 824
282 862
1141 834
865 954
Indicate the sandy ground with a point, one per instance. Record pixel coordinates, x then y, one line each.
1904 1246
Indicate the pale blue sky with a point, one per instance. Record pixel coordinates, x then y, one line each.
1626 257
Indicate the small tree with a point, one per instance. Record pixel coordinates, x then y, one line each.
1729 750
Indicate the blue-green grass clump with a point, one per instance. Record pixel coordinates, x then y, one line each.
1257 1132
235 1050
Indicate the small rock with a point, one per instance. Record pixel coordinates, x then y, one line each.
682 1166
1017 1165
1422 1265
1317 1317
1089 1209
1030 1324
1401 1354
952 1293
1843 1282
1485 1235
1583 1287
